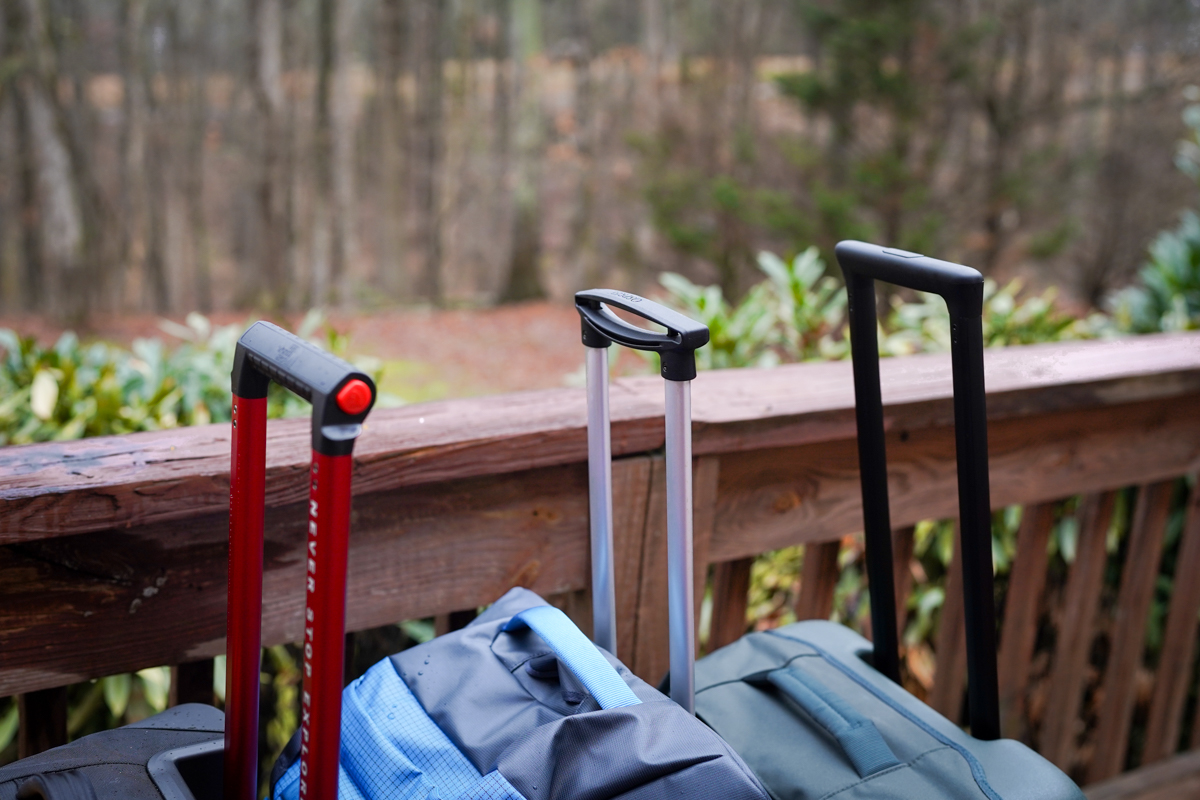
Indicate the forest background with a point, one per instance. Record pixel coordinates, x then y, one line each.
277 156
168 156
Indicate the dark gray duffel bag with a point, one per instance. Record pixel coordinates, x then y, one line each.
815 709
175 755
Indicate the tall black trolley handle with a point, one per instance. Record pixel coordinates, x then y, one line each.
962 289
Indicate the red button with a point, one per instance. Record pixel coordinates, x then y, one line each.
354 397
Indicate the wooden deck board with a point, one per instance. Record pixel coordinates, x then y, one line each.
104 541
1176 778
64 488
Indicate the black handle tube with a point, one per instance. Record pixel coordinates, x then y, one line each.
962 289
677 347
975 525
266 353
872 461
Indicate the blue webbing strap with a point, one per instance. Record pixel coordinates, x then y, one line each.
858 736
578 653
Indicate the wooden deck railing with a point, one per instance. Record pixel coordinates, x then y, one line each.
112 550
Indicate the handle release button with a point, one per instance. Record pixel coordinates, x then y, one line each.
354 397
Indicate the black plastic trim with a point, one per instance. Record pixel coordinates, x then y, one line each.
676 348
266 353
190 772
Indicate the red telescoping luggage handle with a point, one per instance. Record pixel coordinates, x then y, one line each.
677 349
341 396
962 289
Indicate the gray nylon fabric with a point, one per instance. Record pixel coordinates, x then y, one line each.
798 760
475 686
497 696
631 752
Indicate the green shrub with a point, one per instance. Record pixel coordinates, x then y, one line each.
1166 296
799 313
73 390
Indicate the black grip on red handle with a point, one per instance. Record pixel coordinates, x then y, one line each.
677 346
341 395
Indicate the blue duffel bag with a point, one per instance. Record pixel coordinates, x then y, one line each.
816 710
520 705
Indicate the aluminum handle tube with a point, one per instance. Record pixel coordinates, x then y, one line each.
680 580
604 591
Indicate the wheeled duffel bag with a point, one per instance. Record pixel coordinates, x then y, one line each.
815 709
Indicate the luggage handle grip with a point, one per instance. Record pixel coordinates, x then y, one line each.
677 347
582 657
960 286
341 395
857 736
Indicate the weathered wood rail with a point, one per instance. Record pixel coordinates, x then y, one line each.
112 550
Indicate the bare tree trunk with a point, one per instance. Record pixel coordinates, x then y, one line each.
392 123
268 277
326 247
501 122
734 150
33 273
1004 104
148 160
524 275
193 173
62 234
60 171
427 150
580 257
342 164
655 42
133 147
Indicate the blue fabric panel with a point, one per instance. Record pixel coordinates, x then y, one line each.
391 748
858 736
578 653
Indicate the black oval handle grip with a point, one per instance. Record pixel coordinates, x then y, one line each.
960 286
266 352
677 346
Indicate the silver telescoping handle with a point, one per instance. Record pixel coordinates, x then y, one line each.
604 584
677 348
680 570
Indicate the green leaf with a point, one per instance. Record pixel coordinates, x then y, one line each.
43 396
116 693
156 686
419 630
8 725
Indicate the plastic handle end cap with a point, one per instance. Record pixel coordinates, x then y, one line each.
354 397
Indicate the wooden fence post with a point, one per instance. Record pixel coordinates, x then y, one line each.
42 721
